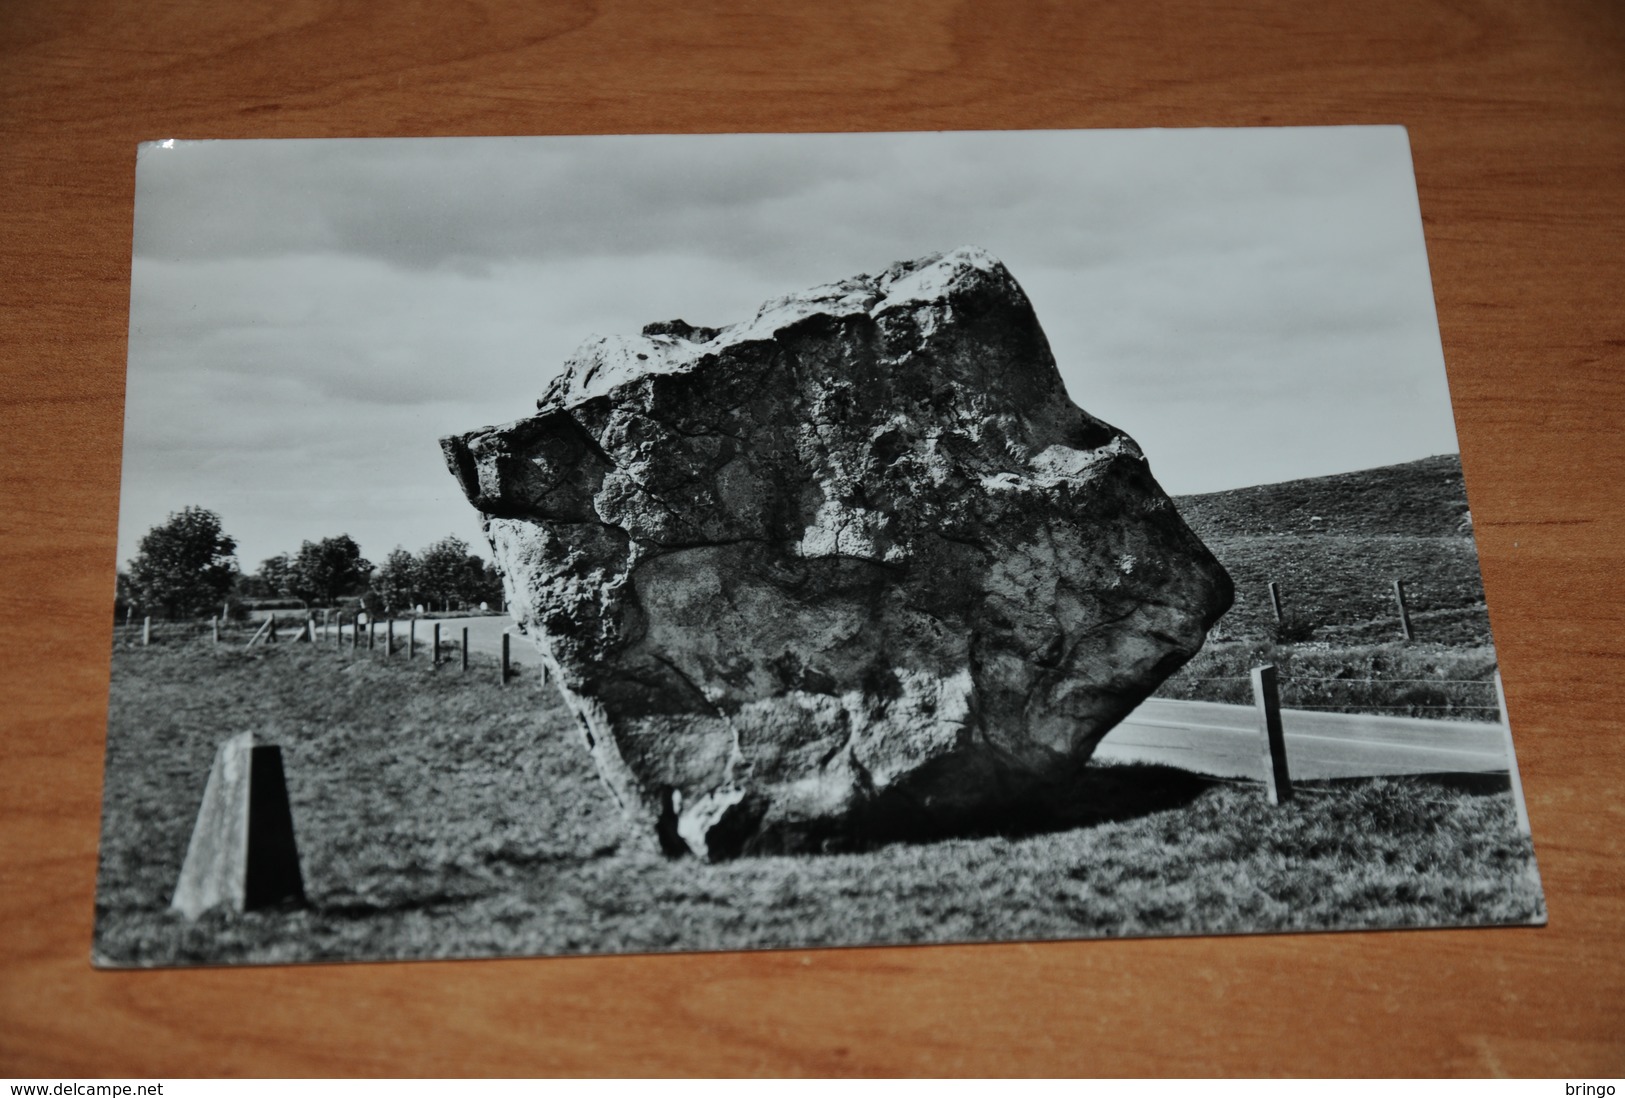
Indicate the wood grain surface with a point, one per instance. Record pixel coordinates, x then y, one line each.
1517 121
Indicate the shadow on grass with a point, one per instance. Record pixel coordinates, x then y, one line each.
1122 791
1099 794
1110 793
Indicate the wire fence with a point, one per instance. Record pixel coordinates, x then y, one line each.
409 637
1449 698
1345 678
1442 697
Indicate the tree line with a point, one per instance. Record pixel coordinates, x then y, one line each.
186 567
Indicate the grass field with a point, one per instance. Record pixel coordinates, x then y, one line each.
439 814
1335 545
1435 681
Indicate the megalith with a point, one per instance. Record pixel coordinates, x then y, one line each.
854 567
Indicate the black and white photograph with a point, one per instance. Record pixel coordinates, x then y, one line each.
625 544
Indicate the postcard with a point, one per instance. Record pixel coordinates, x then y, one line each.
615 544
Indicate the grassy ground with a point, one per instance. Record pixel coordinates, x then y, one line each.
1404 680
1341 588
439 814
1425 498
1334 546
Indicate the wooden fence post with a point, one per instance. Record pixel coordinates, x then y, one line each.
1275 601
435 661
146 631
389 636
1512 759
504 657
270 636
465 648
372 634
1404 612
215 622
1265 696
412 639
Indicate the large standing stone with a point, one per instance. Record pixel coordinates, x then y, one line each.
854 567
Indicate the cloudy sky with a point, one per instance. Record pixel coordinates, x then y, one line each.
309 317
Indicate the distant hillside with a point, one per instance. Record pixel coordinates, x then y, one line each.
1335 544
1419 498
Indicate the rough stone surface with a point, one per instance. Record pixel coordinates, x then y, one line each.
856 567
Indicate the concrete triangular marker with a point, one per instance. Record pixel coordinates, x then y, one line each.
242 855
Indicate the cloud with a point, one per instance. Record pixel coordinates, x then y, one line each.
422 204
308 317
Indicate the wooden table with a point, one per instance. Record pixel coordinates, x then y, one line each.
1517 118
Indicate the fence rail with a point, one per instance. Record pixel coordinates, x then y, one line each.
346 634
1353 679
1398 608
1406 708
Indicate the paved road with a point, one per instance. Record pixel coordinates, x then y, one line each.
484 636
1205 737
1225 741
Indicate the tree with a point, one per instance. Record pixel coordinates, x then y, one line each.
442 575
484 583
124 598
442 570
276 576
185 566
327 570
397 580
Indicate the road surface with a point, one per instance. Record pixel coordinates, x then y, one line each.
1226 741
484 636
1203 737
